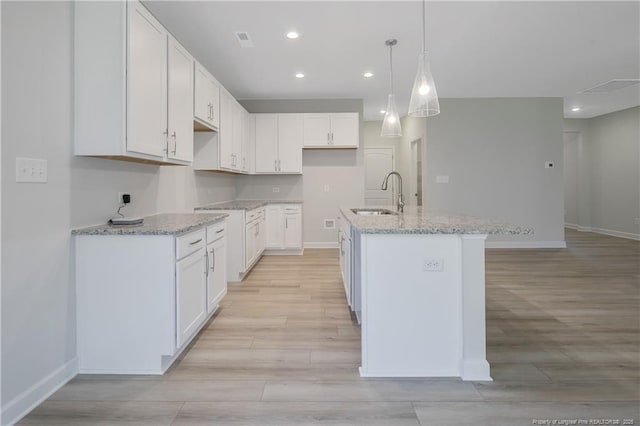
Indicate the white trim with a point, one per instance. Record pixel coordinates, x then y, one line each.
526 244
584 228
283 252
321 245
22 404
571 225
475 370
619 234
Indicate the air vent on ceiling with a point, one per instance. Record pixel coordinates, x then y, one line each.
612 85
244 39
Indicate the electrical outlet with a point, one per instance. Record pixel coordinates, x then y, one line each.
276 189
442 179
433 265
31 170
327 188
329 224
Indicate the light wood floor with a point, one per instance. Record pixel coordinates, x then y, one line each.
563 342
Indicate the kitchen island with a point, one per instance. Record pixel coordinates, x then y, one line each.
416 281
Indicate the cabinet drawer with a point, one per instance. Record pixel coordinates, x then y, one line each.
189 243
216 231
292 209
255 214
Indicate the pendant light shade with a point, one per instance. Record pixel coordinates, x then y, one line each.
391 127
391 123
424 97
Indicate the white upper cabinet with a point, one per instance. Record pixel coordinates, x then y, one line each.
278 143
206 103
337 130
147 83
290 143
226 130
126 67
266 137
180 102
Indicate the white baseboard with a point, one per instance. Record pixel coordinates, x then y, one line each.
22 404
571 225
584 228
321 245
619 234
526 244
279 252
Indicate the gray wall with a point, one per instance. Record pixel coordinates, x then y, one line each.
38 292
493 151
341 170
609 172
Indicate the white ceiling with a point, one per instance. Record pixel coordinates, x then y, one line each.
477 49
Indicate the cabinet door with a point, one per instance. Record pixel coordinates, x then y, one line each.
245 139
249 244
290 134
206 105
180 102
316 130
191 295
225 133
217 274
345 130
274 227
260 237
146 83
237 135
292 230
266 135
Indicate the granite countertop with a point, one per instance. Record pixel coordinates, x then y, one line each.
416 220
245 204
161 224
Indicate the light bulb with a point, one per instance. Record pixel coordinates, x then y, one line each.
424 89
391 119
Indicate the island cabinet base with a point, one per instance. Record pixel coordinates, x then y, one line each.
423 306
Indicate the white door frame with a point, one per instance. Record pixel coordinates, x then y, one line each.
393 164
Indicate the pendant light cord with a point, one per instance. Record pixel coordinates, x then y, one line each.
424 26
391 67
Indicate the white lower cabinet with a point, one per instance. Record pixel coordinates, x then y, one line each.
142 298
191 289
216 266
284 227
254 237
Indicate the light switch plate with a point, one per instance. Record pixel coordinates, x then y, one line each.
442 179
31 170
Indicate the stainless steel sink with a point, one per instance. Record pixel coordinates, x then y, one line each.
373 212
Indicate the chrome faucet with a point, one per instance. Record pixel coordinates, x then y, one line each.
400 204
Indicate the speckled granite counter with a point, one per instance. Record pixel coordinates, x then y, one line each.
161 224
245 204
415 220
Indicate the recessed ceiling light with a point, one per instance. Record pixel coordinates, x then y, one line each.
292 35
299 75
383 111
576 109
368 74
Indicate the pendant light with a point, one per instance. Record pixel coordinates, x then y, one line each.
424 98
391 123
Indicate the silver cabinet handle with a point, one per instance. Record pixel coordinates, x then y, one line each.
286 222
328 139
331 138
175 142
206 269
279 167
195 242
219 231
213 260
275 165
